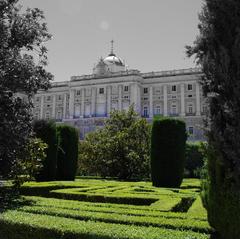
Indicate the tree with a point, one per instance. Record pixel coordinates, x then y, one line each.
67 156
120 149
168 141
22 62
194 159
47 132
217 50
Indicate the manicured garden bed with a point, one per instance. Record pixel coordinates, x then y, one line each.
91 208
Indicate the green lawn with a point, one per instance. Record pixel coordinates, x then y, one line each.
96 208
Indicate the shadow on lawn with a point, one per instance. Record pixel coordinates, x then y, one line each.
11 199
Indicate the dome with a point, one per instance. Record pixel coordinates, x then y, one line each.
113 59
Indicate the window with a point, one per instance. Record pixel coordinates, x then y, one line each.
47 115
126 88
189 86
125 97
48 98
37 99
59 97
190 108
174 88
101 90
174 109
59 115
204 109
145 90
145 111
78 92
157 110
190 130
36 116
190 96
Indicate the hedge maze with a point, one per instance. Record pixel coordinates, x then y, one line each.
106 209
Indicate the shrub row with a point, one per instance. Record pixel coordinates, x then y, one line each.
75 195
171 223
22 225
62 151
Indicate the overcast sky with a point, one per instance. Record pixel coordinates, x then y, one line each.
149 35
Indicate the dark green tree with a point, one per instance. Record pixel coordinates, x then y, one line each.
67 152
217 50
47 132
168 140
22 38
120 149
194 159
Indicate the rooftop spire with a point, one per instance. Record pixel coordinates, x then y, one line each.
112 41
111 53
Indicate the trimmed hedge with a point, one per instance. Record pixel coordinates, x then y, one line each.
168 142
194 159
67 152
46 130
20 225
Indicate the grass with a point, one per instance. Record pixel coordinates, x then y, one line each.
106 209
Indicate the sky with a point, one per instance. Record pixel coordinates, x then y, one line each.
149 35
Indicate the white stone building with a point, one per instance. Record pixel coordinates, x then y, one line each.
87 100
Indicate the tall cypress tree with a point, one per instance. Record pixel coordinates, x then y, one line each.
217 49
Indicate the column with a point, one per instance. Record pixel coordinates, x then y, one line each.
150 101
41 106
135 97
108 100
64 105
93 102
120 97
198 108
165 99
54 107
182 100
82 103
71 104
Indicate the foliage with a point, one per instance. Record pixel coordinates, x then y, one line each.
46 130
217 49
168 141
22 36
67 152
33 156
120 149
194 159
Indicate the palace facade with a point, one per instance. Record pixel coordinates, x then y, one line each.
87 100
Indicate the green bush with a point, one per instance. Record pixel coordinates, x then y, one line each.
67 152
194 159
46 131
168 141
120 149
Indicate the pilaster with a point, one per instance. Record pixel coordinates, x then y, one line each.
165 105
71 104
182 100
54 107
151 102
198 108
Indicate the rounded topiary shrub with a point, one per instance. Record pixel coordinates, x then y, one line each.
168 140
67 152
46 131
